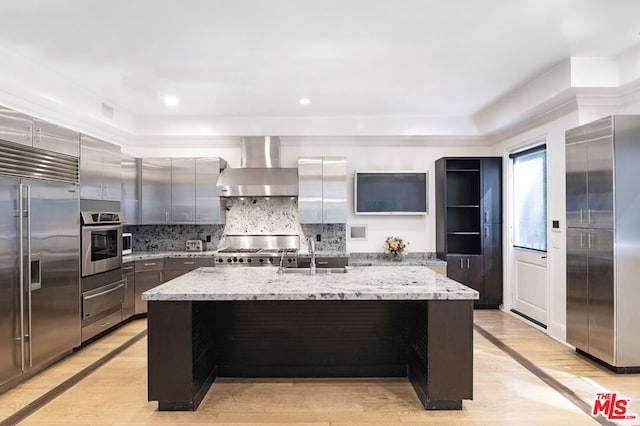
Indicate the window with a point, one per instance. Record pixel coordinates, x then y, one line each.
530 198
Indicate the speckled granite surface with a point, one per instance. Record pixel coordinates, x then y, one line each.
360 283
381 259
162 254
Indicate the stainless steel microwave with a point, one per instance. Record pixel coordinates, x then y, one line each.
126 243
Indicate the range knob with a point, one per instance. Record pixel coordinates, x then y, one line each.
289 260
235 259
219 260
241 260
229 260
249 260
261 260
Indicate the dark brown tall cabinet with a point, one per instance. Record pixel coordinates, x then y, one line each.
469 223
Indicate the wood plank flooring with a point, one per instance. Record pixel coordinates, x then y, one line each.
505 392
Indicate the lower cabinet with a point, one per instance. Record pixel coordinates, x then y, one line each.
468 270
323 262
129 276
173 268
148 274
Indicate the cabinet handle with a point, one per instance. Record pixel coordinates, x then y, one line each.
127 268
37 137
166 216
486 231
150 264
581 216
467 263
581 239
486 216
27 135
589 216
589 240
461 264
188 263
323 263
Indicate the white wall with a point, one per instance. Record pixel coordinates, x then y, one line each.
363 153
385 154
553 133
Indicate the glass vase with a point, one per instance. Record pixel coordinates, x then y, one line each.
396 257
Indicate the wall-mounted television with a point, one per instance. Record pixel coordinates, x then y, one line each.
390 192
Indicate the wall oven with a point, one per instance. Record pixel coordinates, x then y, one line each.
101 242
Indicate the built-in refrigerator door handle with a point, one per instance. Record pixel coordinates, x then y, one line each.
21 245
29 287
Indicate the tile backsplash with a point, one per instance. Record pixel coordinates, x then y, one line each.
261 216
172 237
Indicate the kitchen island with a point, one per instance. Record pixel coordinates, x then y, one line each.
405 321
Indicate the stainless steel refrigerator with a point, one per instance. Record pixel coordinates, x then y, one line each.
39 262
603 240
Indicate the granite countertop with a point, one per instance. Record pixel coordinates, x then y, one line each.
149 255
304 253
360 283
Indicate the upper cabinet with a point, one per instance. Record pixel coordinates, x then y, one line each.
22 129
130 189
322 190
209 207
100 170
181 191
155 191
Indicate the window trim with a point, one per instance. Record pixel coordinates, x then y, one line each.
524 152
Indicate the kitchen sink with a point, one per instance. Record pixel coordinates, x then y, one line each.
319 271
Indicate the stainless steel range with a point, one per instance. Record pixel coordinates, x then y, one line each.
259 250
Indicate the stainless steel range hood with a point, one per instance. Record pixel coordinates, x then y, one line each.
260 174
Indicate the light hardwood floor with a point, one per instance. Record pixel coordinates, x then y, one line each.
504 391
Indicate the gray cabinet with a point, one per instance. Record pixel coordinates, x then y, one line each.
322 190
155 191
130 189
22 129
129 277
55 138
174 267
15 127
100 172
148 274
603 233
589 162
209 207
181 191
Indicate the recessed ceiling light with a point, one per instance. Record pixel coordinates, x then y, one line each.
304 101
171 101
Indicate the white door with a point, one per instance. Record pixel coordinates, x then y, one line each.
530 290
529 293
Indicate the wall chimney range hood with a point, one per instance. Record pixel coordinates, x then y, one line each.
260 174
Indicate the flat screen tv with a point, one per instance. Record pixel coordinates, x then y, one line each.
389 192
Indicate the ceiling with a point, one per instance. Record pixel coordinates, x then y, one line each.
257 58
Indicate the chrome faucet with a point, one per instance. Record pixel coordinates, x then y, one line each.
312 251
281 268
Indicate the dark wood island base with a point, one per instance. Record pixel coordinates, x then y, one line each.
193 342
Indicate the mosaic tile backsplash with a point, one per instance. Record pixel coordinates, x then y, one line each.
262 216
